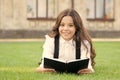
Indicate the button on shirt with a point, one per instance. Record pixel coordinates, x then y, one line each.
66 50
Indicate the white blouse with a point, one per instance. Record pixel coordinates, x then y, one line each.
66 50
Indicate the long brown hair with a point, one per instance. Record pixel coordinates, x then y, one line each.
81 32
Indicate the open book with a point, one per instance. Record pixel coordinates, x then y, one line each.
69 66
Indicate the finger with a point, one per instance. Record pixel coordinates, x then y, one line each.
49 70
84 71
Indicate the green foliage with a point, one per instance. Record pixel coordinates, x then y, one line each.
18 61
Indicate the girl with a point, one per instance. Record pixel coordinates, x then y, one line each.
69 28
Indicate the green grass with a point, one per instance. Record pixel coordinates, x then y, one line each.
18 61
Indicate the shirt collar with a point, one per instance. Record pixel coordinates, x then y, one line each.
71 42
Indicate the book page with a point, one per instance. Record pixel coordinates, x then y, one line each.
76 60
59 60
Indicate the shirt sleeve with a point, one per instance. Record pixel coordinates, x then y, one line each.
88 55
48 48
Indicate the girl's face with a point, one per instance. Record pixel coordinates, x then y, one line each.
67 28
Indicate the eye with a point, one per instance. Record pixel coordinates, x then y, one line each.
61 24
71 25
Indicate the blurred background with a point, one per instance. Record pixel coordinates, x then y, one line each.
35 18
30 20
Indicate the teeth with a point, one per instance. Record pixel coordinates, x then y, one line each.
66 33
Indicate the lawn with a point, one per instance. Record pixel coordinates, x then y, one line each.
18 61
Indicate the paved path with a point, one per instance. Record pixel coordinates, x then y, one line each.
34 40
20 40
106 39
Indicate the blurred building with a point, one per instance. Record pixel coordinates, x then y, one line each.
34 18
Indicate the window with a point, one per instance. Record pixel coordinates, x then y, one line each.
31 9
100 10
46 9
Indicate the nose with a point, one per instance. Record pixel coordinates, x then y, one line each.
65 27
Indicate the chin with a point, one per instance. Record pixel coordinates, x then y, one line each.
67 38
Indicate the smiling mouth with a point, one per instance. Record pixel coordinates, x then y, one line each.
66 33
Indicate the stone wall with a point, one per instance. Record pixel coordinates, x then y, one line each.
14 22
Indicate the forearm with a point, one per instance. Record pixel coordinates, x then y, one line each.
85 71
41 69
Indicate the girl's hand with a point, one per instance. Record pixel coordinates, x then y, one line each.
39 69
85 71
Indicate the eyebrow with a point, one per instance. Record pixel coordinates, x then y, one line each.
69 23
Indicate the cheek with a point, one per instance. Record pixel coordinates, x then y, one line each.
73 31
59 29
